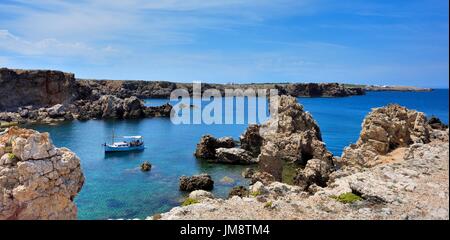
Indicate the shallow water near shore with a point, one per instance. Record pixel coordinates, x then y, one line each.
116 188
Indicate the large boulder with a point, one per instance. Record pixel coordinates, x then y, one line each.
206 148
234 156
384 130
37 180
196 182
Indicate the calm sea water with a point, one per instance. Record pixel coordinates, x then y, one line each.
116 188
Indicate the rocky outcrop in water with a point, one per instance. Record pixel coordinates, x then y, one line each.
291 134
234 156
29 114
109 106
412 184
106 107
384 130
37 180
40 88
251 140
206 148
196 182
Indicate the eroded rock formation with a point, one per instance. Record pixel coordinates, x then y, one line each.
37 180
206 148
291 134
234 156
251 140
384 130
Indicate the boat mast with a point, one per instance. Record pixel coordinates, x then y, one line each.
112 139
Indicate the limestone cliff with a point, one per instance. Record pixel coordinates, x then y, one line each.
35 87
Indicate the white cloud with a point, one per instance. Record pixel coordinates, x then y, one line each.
49 47
106 20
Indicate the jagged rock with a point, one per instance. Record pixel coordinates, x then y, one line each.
315 172
384 130
111 106
251 140
37 180
292 134
436 123
196 182
133 107
200 195
146 166
206 149
239 191
234 156
158 111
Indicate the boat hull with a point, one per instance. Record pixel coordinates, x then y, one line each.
124 149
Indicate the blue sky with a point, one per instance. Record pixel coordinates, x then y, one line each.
402 42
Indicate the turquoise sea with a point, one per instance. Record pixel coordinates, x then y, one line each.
116 188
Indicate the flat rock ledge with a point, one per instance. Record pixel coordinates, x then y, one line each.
413 183
37 180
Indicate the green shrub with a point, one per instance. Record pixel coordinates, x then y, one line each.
268 204
189 201
255 193
11 156
347 198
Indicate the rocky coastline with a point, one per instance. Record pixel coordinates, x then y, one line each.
41 96
398 169
162 89
48 96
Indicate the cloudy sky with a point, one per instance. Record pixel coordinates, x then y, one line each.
359 41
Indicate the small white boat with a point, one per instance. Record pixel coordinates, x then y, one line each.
128 143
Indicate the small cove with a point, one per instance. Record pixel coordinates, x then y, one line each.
116 188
